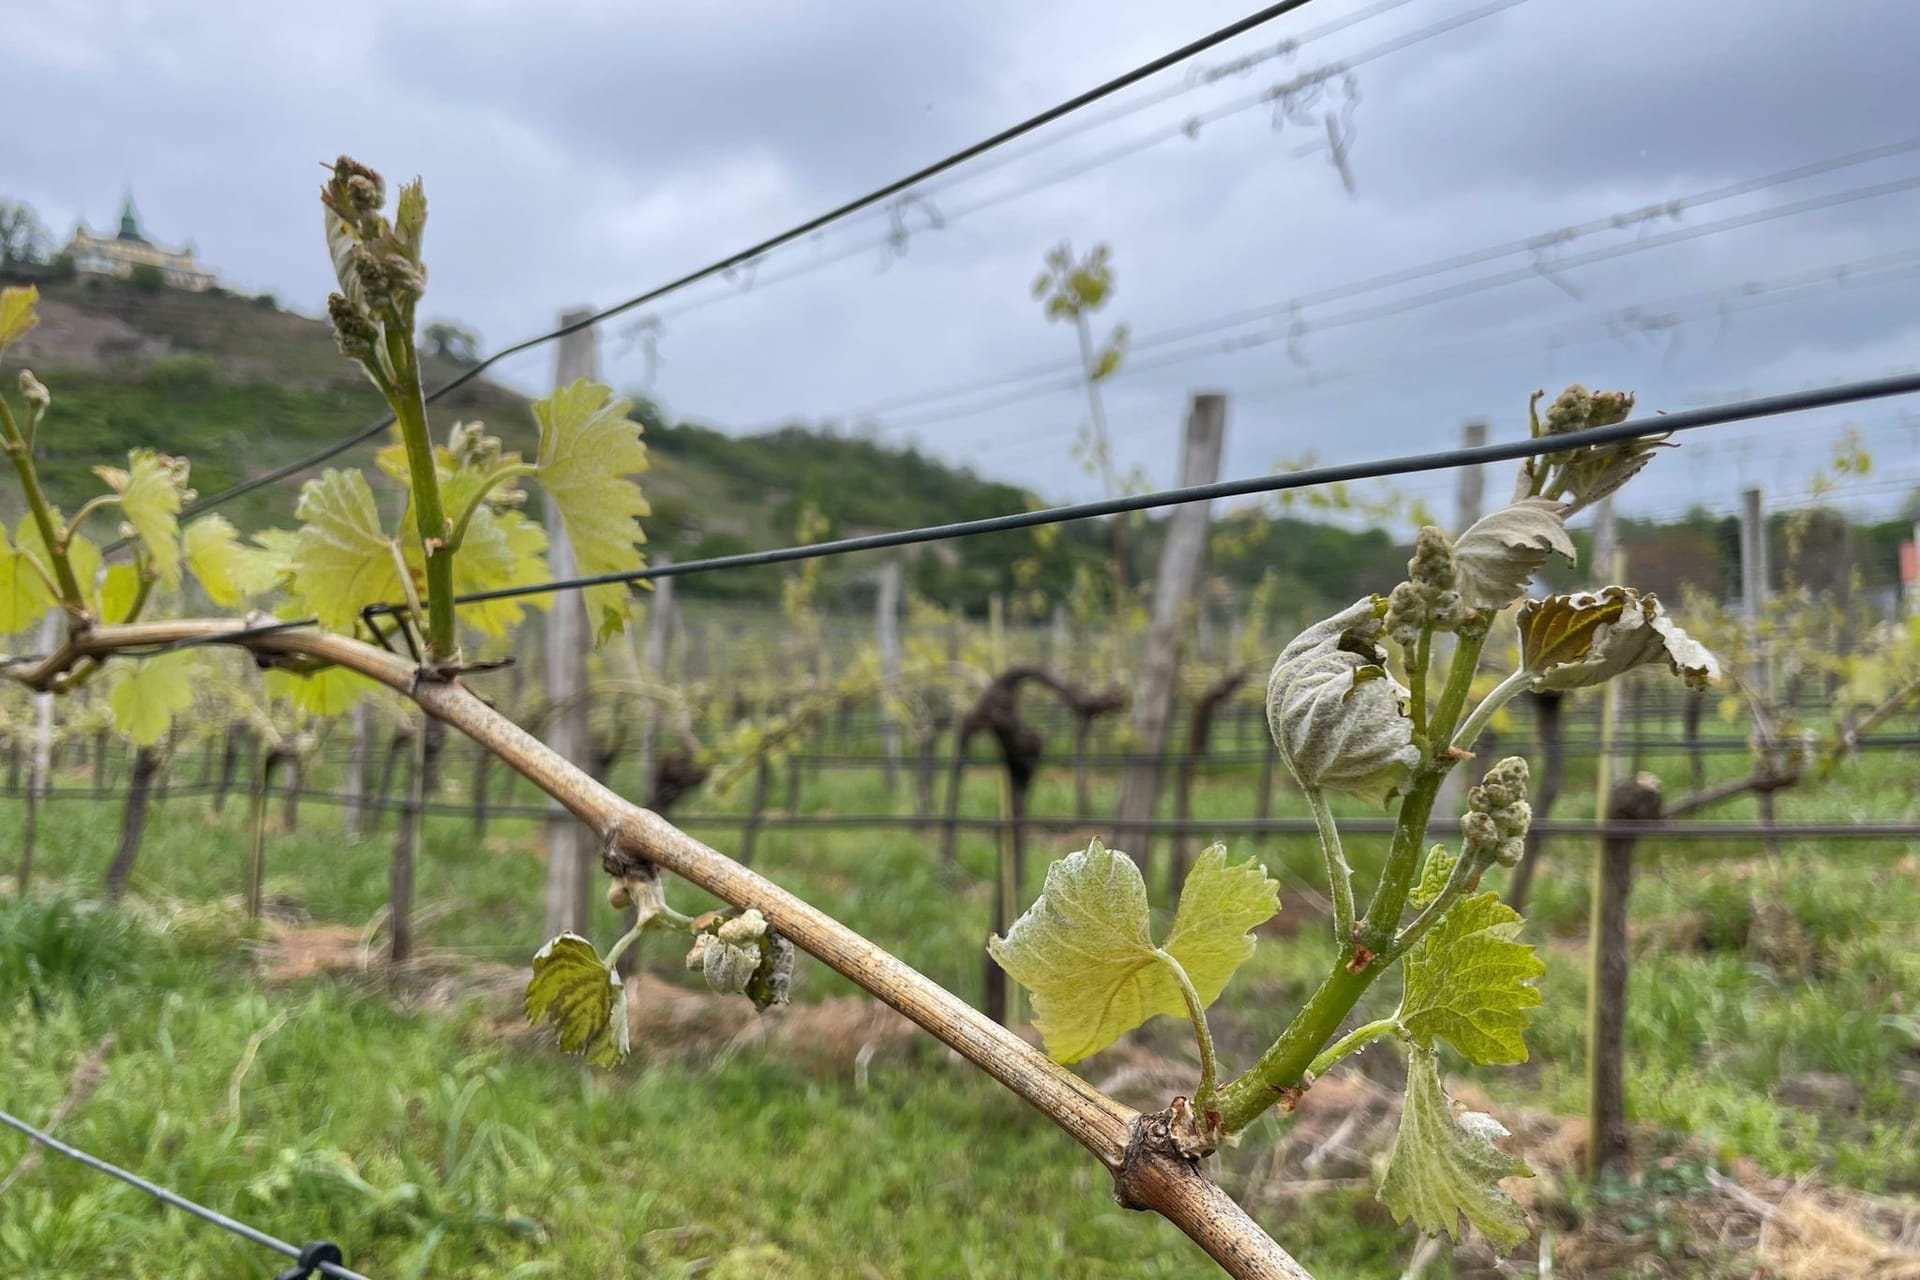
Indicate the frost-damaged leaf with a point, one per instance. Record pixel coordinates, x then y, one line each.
1497 556
1445 1164
587 448
340 558
151 490
1470 983
216 558
1572 641
330 691
1338 719
146 696
583 999
17 317
1085 947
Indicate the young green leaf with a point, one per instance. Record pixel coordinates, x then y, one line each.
502 549
24 596
119 588
146 695
583 999
1434 874
1220 907
267 564
24 593
216 558
151 490
1469 983
587 448
16 313
1085 947
1445 1164
340 559
330 691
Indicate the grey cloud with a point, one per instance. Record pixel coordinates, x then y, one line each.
578 153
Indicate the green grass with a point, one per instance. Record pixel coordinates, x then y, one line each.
430 1145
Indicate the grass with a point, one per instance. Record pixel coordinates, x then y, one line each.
429 1141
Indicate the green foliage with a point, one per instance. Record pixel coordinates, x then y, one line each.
452 342
216 559
150 491
17 314
342 560
147 278
147 694
1469 982
328 692
588 448
24 591
23 237
1085 949
54 947
582 997
1445 1165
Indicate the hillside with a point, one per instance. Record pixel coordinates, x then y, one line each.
240 386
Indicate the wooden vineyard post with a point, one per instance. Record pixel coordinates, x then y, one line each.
1756 582
886 626
570 847
653 667
1181 558
408 839
353 812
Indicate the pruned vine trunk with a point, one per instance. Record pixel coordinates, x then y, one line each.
1199 739
229 761
1609 1142
133 820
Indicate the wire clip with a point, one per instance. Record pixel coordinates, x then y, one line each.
316 1254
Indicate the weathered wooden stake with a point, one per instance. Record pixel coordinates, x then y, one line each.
1181 558
571 855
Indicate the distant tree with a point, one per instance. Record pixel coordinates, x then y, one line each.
23 238
452 341
147 278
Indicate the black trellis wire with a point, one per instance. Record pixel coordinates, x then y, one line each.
1406 464
1685 831
304 1258
743 256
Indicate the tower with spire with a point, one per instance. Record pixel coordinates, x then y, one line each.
118 256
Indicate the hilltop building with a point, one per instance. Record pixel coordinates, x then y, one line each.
118 255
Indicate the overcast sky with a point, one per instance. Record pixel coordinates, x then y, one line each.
575 153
